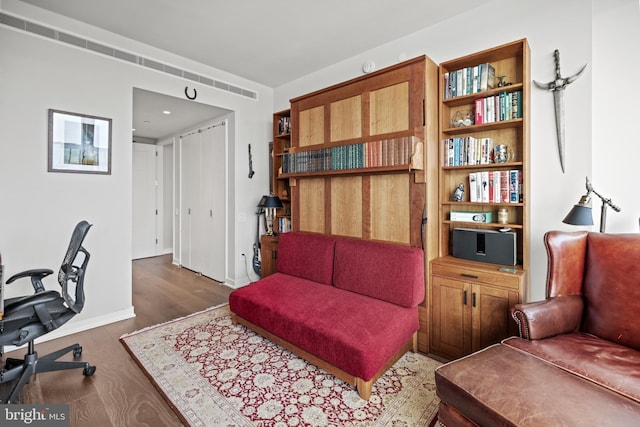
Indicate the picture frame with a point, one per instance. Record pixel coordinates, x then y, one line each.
79 143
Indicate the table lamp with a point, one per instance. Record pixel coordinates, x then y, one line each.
269 204
581 213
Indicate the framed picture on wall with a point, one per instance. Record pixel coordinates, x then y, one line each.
79 143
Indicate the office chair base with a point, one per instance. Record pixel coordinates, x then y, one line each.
23 369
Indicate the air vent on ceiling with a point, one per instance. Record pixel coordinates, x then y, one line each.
51 33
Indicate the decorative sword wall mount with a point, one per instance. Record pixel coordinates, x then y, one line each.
557 86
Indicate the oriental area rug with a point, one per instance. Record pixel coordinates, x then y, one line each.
214 373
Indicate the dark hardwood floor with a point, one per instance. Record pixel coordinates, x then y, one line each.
119 393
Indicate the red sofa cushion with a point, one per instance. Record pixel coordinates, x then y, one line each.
356 333
385 271
612 288
306 255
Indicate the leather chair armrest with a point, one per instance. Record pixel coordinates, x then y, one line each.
544 319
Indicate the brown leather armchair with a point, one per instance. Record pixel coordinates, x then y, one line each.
587 324
577 361
593 285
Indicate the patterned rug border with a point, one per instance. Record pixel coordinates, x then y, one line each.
184 418
168 322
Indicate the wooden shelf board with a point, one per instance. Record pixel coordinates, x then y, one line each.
361 171
483 224
503 124
509 165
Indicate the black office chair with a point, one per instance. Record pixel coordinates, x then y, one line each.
29 317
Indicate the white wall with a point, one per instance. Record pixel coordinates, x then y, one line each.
548 25
616 111
41 208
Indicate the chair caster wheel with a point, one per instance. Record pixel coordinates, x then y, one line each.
77 352
89 370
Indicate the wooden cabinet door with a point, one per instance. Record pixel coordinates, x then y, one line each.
389 109
451 317
268 255
491 320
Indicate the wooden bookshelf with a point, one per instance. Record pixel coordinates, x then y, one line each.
470 299
279 186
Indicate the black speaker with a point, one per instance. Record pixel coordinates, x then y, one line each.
490 246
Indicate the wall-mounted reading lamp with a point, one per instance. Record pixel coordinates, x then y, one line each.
581 213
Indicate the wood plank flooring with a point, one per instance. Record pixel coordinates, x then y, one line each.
119 393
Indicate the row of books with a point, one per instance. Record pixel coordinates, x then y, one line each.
284 125
469 80
462 151
284 224
387 152
496 186
504 106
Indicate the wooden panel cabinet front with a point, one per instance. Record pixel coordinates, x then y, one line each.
389 109
470 305
268 255
311 127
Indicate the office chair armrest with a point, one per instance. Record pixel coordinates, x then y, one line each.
36 276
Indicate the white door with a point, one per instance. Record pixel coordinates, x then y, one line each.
144 236
214 201
189 154
203 202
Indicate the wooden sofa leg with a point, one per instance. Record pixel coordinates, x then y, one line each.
234 319
364 388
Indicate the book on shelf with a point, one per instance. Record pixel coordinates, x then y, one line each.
464 151
496 186
284 125
284 224
473 188
484 186
497 108
504 187
469 80
515 186
387 152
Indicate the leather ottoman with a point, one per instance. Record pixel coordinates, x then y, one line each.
502 386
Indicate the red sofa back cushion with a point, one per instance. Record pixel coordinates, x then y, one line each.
612 288
385 271
306 255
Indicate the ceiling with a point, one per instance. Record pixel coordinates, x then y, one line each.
150 121
268 42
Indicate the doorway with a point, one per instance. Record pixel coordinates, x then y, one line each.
158 120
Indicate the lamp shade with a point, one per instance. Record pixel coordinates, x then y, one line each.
581 213
270 202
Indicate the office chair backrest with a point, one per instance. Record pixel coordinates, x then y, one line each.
71 276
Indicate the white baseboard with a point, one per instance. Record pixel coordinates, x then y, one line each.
82 325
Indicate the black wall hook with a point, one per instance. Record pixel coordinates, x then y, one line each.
186 93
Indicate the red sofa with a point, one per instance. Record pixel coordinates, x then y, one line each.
577 361
349 306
